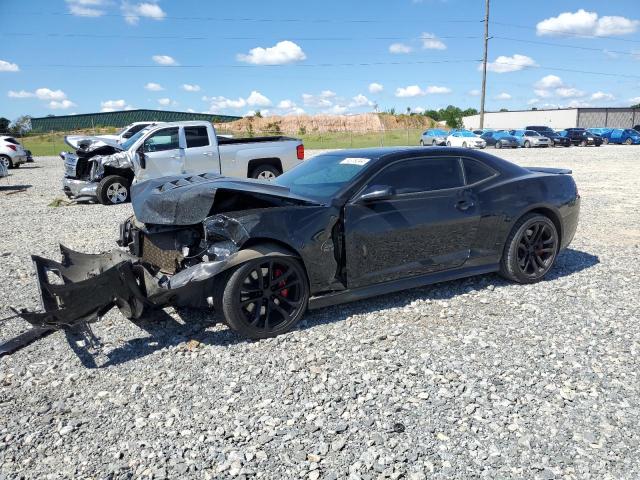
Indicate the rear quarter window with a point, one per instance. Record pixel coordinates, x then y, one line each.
475 171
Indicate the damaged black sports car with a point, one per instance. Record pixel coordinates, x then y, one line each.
342 226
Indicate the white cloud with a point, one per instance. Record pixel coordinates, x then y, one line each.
8 66
222 103
375 87
164 60
410 91
165 102
504 64
153 87
61 105
437 90
578 104
187 87
360 101
602 96
113 105
48 94
568 92
286 104
418 110
324 99
399 48
586 23
87 8
336 110
533 101
475 92
280 54
503 96
542 93
431 42
256 99
20 94
550 81
133 12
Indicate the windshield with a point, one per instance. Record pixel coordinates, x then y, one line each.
467 133
323 176
127 145
532 133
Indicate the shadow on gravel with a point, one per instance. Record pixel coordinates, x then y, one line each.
165 331
10 189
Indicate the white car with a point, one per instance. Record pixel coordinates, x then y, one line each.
12 154
465 139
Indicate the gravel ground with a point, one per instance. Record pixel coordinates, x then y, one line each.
475 378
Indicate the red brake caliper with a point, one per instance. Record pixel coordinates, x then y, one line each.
284 292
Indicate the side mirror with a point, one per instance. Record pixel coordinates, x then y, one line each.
141 158
377 192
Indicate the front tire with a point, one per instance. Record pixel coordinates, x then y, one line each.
628 141
265 297
113 190
605 141
584 143
434 143
421 143
265 172
464 144
6 161
530 250
527 144
498 144
448 144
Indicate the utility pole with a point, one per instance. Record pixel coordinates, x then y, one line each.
484 62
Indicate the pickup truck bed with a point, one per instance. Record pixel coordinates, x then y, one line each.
231 141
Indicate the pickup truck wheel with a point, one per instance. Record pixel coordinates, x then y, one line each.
112 190
265 172
265 297
6 161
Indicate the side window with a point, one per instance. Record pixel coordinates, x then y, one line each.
476 171
421 175
165 139
196 136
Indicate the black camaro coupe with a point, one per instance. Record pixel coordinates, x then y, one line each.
341 226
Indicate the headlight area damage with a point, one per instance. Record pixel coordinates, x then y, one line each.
92 156
185 233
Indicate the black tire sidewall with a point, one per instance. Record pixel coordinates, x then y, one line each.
228 301
509 262
101 189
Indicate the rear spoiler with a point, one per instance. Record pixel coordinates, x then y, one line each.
556 171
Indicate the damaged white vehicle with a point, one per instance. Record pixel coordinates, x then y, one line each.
104 169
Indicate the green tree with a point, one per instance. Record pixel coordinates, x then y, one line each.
258 114
21 125
637 105
4 124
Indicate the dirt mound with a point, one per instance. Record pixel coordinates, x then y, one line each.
305 124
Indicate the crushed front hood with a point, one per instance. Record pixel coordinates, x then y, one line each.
89 143
188 199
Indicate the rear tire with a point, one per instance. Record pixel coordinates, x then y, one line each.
265 172
584 143
113 190
7 161
498 144
605 141
421 143
530 250
256 305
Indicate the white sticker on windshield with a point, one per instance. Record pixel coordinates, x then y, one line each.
355 161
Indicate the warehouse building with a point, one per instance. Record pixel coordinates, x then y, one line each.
65 123
558 119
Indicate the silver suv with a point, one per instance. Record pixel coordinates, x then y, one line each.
12 154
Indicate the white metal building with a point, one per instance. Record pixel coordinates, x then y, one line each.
558 118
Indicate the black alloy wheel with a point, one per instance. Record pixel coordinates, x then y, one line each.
531 249
266 296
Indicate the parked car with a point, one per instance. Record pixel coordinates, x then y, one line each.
343 226
465 139
530 138
104 169
4 171
12 154
123 135
636 128
557 140
599 131
628 136
433 137
500 140
579 136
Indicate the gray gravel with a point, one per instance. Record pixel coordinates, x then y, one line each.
476 378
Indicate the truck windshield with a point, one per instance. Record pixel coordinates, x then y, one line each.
127 145
323 176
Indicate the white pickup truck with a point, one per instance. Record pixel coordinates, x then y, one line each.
104 169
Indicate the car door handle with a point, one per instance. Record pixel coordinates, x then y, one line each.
464 205
208 154
175 156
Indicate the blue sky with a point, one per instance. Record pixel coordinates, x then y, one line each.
289 57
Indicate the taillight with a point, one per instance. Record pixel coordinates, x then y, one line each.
12 147
300 152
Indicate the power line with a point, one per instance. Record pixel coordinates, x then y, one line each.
561 45
568 34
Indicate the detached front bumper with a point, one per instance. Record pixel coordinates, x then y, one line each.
78 189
